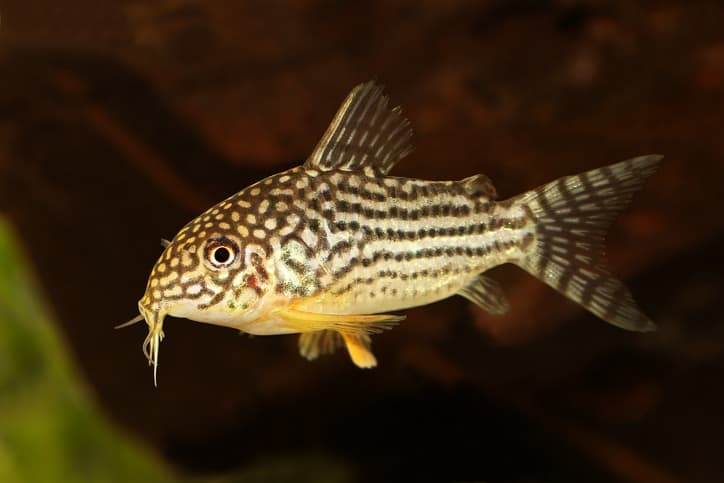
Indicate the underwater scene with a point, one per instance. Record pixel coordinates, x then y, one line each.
513 277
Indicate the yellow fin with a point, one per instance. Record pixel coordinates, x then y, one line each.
321 342
302 321
359 348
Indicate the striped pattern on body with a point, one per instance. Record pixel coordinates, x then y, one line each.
379 244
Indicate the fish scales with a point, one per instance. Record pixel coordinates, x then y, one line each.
325 249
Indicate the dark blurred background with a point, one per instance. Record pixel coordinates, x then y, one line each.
120 121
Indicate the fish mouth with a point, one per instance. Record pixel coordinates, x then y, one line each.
154 320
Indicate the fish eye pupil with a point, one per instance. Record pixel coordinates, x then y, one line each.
222 255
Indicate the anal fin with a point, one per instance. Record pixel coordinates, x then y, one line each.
487 294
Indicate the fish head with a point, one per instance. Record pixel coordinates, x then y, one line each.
208 273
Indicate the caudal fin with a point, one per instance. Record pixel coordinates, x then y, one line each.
572 216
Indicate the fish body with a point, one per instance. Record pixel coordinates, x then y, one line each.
326 248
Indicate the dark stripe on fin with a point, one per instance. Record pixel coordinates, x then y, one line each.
572 216
364 132
487 294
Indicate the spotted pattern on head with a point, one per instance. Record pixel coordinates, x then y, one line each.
202 262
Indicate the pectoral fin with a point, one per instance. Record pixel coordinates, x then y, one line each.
321 332
302 321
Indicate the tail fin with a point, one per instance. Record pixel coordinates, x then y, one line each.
572 216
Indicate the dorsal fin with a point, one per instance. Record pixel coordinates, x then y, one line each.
364 132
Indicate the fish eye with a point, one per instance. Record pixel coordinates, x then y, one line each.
221 252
